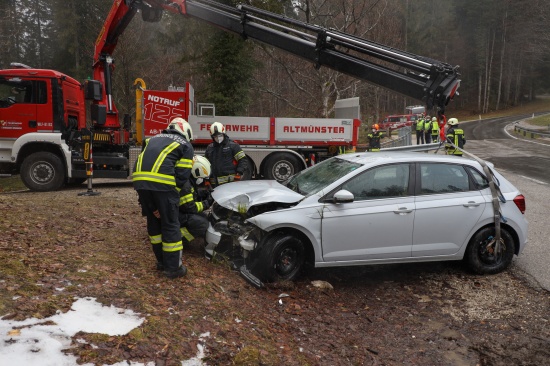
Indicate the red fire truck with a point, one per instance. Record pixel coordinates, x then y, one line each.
275 147
50 121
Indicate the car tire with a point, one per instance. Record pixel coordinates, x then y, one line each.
482 261
282 258
43 172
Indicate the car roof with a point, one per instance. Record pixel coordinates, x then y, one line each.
385 157
370 159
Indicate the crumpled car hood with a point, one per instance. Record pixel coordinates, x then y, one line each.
240 196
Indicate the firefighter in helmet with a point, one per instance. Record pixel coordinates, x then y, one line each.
162 168
455 136
229 162
195 199
374 138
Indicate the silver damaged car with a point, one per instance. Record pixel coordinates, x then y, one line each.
370 208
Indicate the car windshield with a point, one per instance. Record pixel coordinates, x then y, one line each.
317 177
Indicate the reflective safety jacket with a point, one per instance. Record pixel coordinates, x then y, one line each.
455 135
164 163
420 125
226 159
374 140
435 128
190 202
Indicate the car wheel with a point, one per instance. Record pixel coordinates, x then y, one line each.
282 258
43 171
481 256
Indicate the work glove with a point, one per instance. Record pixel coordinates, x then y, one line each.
206 204
208 185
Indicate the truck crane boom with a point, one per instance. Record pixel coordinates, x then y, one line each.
433 82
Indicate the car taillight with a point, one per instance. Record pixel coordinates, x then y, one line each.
520 202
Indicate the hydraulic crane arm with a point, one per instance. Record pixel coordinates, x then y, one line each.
433 82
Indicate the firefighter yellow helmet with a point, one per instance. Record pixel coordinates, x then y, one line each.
201 167
216 128
182 127
452 121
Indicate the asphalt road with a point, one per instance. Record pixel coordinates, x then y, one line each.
525 162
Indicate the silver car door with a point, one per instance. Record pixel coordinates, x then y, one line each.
378 224
447 209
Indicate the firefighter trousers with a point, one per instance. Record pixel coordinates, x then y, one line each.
164 231
193 226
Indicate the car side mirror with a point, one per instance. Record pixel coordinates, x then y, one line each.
343 196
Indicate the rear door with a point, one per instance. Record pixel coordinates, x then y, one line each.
448 206
378 224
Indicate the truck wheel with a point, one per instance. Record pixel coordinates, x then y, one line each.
43 171
281 166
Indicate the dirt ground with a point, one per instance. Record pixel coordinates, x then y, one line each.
96 246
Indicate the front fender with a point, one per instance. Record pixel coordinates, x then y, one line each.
26 141
306 220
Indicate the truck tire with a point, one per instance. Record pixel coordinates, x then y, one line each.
281 166
43 172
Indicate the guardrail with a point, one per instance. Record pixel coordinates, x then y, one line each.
531 133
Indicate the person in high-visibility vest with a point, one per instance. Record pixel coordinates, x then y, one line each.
374 138
454 135
435 129
419 128
195 199
427 130
162 168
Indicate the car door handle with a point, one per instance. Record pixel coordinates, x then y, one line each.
471 204
402 211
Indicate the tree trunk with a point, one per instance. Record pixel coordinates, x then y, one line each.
502 53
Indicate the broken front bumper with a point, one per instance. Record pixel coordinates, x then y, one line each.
212 239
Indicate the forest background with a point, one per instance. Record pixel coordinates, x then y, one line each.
501 46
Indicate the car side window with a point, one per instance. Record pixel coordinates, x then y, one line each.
479 180
381 182
443 178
